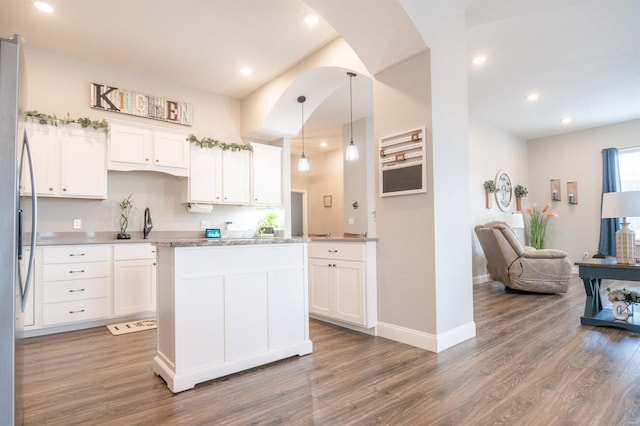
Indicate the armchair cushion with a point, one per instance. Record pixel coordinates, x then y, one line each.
522 267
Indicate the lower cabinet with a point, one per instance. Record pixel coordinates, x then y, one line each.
134 279
342 282
76 283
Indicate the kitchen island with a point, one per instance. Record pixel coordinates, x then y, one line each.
224 306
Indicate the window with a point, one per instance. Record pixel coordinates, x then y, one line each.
629 162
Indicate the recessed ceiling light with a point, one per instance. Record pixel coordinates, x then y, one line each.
323 144
310 19
246 71
43 7
566 120
479 60
533 97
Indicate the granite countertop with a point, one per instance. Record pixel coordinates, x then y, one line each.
342 239
158 238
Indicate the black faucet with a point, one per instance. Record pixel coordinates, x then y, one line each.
148 225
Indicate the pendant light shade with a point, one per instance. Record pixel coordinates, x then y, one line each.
303 162
351 153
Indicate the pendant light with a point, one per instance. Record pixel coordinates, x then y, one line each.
303 163
352 150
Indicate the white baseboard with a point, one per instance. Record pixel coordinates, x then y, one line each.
427 341
479 279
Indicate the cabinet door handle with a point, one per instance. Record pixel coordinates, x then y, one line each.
50 189
333 251
157 161
73 291
76 272
76 254
64 189
146 159
77 312
154 263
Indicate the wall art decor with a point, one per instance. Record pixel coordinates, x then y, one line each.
109 98
403 163
556 195
572 192
504 190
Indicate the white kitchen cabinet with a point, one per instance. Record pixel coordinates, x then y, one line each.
236 177
342 282
69 161
266 174
218 176
76 283
205 175
134 146
134 278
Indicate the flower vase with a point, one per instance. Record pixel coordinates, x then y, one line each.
518 203
622 310
487 199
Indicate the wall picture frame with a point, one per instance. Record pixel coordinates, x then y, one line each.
327 201
504 190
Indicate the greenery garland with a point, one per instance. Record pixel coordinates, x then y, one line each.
54 120
205 142
212 143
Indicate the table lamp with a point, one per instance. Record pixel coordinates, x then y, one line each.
516 222
623 204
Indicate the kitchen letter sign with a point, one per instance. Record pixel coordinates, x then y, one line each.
110 98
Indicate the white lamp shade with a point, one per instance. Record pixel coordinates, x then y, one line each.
621 204
514 220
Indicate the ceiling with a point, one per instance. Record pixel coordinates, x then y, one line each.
581 56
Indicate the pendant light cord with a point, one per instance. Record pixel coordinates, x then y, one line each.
351 75
301 100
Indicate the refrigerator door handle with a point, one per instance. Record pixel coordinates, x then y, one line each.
24 290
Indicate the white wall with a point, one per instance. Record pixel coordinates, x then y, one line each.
359 177
575 156
325 177
59 84
492 149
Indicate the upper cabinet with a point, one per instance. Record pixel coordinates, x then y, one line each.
134 146
236 177
205 178
267 174
69 161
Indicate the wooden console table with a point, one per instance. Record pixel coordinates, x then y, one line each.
592 272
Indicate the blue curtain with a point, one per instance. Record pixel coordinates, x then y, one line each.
610 183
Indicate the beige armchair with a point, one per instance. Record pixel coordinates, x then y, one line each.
522 267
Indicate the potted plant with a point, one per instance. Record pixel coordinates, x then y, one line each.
126 205
538 224
489 188
266 221
520 192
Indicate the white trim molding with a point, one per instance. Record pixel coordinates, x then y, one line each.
427 341
481 279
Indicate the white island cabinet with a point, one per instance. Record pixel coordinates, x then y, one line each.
227 306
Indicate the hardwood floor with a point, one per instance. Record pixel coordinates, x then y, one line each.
530 363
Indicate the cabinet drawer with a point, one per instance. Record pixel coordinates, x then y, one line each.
68 291
133 251
344 251
73 253
75 271
81 310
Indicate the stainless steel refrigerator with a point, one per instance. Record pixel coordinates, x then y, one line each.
14 285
